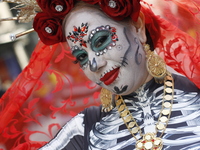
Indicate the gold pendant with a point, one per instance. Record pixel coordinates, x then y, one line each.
149 142
106 100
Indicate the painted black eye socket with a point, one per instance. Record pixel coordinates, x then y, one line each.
81 56
101 40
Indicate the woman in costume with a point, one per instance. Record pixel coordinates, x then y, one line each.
144 106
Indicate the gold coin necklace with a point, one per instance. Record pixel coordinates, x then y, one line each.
150 141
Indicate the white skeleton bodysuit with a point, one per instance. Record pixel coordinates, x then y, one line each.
94 130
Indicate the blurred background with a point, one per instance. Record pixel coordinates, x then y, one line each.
14 55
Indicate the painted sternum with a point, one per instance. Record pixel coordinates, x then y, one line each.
78 34
102 38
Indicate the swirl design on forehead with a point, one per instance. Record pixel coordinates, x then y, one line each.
78 34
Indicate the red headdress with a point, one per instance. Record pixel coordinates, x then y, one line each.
49 90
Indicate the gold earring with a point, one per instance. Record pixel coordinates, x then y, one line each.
107 100
155 65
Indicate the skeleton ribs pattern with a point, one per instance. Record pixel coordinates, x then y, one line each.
110 133
183 130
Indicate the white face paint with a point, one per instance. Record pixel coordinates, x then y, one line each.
121 69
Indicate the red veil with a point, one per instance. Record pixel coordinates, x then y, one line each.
51 89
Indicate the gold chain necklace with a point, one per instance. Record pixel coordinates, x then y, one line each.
150 141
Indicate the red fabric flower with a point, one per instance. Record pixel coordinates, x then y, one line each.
49 29
91 1
56 7
120 9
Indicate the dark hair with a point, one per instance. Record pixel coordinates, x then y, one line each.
149 40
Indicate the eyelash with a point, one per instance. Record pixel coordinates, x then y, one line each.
81 57
75 61
97 37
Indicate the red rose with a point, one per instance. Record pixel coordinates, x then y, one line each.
57 8
91 1
120 9
49 29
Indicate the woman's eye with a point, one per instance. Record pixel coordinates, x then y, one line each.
81 56
101 40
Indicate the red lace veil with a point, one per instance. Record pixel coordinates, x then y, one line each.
51 89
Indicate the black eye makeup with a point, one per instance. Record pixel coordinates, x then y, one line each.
81 56
102 38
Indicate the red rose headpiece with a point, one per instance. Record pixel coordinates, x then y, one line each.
48 23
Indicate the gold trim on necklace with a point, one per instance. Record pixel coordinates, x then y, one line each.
150 141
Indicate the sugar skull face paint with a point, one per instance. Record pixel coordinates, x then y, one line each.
101 40
121 67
